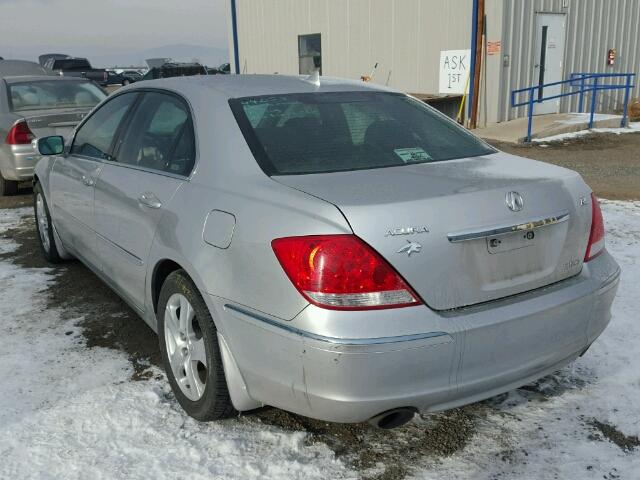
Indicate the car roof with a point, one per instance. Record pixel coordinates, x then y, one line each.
236 86
20 67
39 78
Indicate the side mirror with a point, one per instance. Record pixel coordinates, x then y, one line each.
51 145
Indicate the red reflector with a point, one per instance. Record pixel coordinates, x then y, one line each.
20 134
342 272
596 236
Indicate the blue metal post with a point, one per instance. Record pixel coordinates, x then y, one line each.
625 109
581 102
530 113
234 26
593 101
472 72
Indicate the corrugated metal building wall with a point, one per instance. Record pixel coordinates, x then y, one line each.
403 36
593 27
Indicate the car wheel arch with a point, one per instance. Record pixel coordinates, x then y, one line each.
161 271
165 266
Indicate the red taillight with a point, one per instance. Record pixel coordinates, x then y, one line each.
20 134
596 237
341 272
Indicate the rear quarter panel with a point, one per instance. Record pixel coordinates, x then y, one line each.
227 178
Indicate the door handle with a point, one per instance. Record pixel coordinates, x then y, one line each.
148 199
88 181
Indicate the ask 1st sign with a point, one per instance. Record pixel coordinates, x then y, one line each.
454 71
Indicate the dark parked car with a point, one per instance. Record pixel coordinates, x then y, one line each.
223 69
42 59
77 67
175 69
132 75
115 78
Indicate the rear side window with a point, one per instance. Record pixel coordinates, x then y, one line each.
95 137
160 135
342 131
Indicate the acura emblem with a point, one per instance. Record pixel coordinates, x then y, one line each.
411 247
514 201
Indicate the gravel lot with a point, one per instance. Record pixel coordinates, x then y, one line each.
609 163
519 434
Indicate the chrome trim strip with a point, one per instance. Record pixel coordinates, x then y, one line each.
506 229
334 340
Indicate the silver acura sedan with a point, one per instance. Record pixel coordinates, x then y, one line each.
331 248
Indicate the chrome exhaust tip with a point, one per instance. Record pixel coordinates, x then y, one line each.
393 418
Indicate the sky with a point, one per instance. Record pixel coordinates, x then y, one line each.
104 28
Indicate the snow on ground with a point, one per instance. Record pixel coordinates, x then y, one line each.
10 218
634 127
67 411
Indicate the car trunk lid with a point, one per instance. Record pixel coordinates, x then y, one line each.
44 123
447 228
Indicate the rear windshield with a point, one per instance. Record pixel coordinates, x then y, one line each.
333 132
47 94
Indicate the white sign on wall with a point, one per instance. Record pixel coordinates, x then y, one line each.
455 66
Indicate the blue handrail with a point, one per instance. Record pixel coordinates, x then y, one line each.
586 82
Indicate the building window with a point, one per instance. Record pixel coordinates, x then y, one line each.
309 54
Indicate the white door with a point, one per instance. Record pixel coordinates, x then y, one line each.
550 33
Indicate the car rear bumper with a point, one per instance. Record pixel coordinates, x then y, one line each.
436 361
17 162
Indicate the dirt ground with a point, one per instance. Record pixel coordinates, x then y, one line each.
611 164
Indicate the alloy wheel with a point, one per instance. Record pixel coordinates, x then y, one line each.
185 347
43 222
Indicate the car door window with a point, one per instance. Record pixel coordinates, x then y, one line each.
160 135
95 137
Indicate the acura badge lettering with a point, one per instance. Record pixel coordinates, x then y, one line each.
406 231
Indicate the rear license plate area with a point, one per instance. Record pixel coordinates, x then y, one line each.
511 241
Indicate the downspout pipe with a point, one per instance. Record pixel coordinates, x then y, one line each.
474 43
234 27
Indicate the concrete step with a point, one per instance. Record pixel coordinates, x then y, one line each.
515 131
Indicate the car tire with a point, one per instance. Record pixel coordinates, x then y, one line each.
44 226
184 329
8 187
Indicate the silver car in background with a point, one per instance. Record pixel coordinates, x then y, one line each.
332 248
36 106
